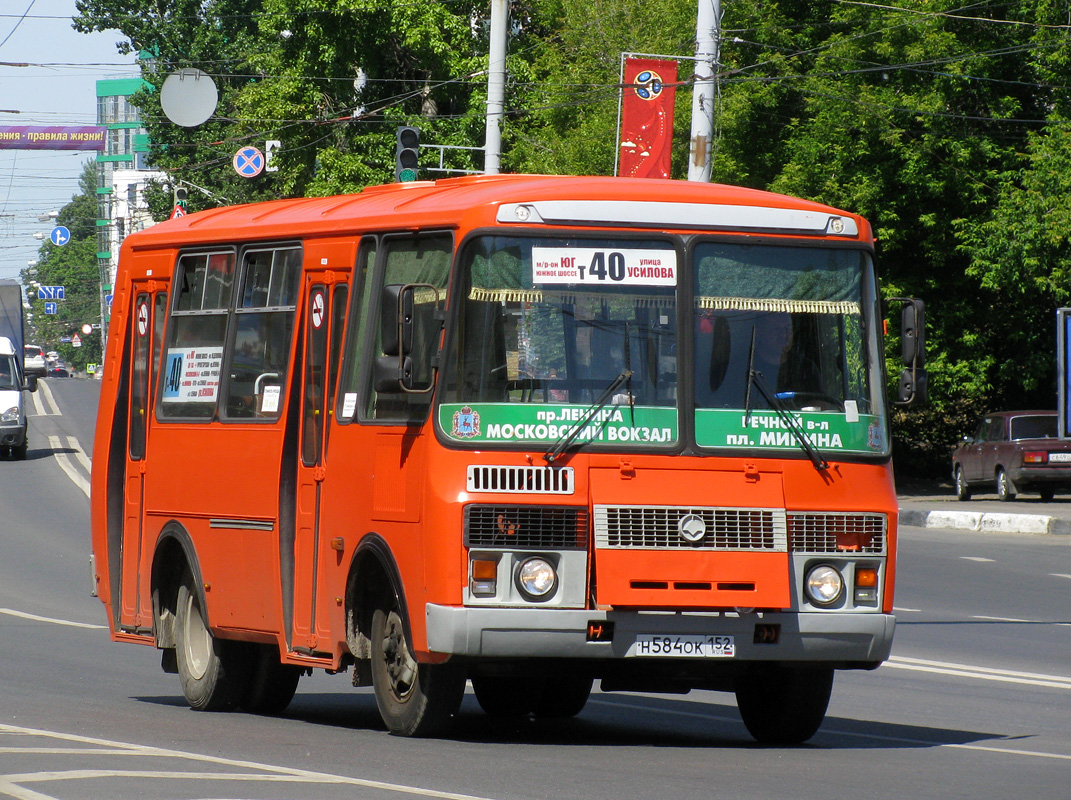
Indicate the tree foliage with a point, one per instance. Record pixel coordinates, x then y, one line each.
948 128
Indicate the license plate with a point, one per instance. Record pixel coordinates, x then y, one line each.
684 646
1059 457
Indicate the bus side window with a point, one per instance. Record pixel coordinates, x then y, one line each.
411 259
356 331
259 356
192 363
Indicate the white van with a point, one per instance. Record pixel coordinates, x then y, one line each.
12 411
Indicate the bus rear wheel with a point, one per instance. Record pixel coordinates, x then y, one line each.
413 699
213 671
271 684
782 705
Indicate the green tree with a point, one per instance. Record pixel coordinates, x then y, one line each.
330 79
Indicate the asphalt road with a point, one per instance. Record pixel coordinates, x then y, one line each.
975 703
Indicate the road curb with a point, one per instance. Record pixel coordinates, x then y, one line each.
985 521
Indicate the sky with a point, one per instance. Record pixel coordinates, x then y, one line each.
57 88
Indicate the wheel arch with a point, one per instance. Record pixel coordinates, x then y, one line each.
174 554
373 574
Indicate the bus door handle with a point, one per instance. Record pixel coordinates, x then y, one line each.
318 473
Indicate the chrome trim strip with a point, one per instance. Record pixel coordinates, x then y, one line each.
242 524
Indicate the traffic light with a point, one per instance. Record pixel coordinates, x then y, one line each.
406 152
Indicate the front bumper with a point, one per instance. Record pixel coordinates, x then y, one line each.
837 638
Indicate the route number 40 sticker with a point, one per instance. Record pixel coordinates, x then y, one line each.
592 265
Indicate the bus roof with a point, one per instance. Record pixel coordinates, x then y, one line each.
485 200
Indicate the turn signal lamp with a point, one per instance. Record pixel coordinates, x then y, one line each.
866 586
484 580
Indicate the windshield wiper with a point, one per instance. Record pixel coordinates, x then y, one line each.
563 442
754 378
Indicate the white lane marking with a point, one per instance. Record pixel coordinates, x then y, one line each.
44 402
10 784
66 465
52 620
50 399
978 558
980 673
1006 619
80 454
907 610
1059 575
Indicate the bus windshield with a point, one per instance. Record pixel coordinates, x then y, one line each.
547 324
797 321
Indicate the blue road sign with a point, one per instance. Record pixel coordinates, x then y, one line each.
51 308
60 236
249 162
51 292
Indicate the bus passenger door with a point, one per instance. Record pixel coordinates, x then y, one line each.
324 318
146 319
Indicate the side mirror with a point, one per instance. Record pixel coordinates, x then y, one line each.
396 320
394 370
913 347
31 383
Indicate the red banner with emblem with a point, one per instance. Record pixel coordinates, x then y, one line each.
647 118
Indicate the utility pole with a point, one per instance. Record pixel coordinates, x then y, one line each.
707 34
496 86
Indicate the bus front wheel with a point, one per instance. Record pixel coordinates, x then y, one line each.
212 671
784 705
413 699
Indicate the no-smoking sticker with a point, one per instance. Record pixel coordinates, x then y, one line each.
143 319
317 310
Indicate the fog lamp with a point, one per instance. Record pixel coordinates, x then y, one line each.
537 578
824 585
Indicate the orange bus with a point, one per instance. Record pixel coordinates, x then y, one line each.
521 431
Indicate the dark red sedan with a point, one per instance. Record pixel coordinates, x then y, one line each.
1013 452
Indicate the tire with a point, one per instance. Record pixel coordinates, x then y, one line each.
506 695
1005 488
563 696
963 491
213 672
1047 495
272 684
19 453
782 705
414 699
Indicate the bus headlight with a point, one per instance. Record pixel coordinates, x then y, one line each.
536 578
823 585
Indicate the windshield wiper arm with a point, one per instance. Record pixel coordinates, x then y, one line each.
790 421
563 442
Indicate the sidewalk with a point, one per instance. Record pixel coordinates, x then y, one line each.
934 505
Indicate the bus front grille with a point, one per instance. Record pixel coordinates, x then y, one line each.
526 527
832 532
677 528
